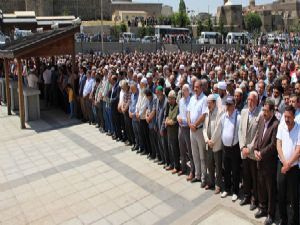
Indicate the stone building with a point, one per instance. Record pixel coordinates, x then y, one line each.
278 15
86 9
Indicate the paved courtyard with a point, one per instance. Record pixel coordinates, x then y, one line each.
59 171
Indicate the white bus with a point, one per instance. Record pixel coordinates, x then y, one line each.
162 31
210 38
237 38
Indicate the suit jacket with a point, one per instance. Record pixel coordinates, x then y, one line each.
115 96
267 144
82 81
247 133
262 101
215 124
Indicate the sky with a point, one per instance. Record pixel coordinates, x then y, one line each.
202 5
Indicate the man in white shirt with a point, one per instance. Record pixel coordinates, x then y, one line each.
288 148
33 79
232 156
195 118
86 94
47 84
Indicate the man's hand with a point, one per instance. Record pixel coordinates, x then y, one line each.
210 143
130 114
286 167
245 152
137 116
179 119
257 155
192 127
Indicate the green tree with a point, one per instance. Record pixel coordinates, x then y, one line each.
180 19
221 27
208 24
142 32
123 27
182 7
253 22
199 27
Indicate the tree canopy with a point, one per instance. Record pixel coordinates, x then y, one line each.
182 7
253 22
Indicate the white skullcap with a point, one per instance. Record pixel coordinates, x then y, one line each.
222 86
144 80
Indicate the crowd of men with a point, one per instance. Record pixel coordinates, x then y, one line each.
227 119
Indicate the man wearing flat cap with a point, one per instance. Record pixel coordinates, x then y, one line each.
172 132
231 150
212 137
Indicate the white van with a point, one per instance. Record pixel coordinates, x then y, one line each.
210 38
4 39
128 37
237 38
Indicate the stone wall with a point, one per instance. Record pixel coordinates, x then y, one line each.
152 9
9 6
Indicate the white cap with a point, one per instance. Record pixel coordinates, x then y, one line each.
144 80
149 75
181 67
222 85
212 97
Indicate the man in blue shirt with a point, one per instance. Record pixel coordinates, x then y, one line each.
184 134
151 120
132 108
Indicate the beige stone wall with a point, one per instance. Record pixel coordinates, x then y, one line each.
151 9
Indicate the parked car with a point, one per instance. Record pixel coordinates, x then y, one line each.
148 39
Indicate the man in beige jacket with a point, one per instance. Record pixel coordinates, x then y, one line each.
212 137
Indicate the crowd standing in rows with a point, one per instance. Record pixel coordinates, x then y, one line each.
227 119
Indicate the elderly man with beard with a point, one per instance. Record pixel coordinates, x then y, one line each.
172 132
141 109
161 108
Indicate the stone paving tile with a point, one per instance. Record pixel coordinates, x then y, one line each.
61 172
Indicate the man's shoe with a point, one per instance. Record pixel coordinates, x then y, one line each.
190 177
143 153
260 213
253 206
168 168
208 187
202 185
160 163
244 201
174 171
217 190
224 194
269 220
234 197
180 173
195 179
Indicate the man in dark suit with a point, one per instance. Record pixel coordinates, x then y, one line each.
114 101
266 156
261 93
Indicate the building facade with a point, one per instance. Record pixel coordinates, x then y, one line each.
87 9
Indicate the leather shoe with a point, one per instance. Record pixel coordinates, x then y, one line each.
174 171
168 168
208 187
244 201
217 190
195 179
203 185
260 213
269 220
190 177
253 206
180 173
